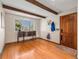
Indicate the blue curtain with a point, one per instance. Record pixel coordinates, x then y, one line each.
53 26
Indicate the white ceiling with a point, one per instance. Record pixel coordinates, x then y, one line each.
60 5
57 5
26 6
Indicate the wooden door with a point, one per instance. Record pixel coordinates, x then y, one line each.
68 31
75 31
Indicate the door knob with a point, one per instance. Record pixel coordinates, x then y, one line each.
61 30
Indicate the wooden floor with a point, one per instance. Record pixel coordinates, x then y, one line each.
34 49
0 56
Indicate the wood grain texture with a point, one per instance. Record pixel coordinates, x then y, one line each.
34 49
0 55
68 30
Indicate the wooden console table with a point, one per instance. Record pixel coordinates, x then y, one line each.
25 34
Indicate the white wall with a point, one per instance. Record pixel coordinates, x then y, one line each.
11 34
55 36
2 30
43 24
22 4
42 29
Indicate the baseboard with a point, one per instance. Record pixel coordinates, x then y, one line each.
32 39
20 41
48 40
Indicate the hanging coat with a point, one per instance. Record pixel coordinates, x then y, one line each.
52 26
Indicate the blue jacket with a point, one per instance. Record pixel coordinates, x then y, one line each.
52 26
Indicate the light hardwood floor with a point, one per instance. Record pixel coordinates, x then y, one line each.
34 49
0 56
